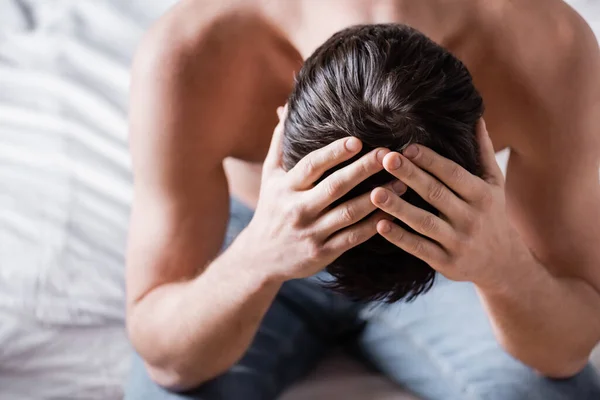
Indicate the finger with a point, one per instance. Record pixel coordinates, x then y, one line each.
461 181
491 170
413 244
429 188
352 236
273 160
351 212
420 220
343 180
345 215
314 165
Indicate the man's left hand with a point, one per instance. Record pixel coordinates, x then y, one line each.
472 238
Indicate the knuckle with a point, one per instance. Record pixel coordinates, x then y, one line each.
333 188
469 221
457 173
474 225
399 235
460 243
425 159
339 149
428 224
354 238
309 167
336 151
294 213
487 199
417 247
409 171
362 168
436 192
368 166
314 250
347 214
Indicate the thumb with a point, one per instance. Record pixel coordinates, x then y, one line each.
273 159
491 170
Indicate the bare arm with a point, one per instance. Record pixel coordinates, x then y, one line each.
194 101
187 84
538 272
550 318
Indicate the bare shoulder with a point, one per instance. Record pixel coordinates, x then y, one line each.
540 75
185 27
555 48
220 61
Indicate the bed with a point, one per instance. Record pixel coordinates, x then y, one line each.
65 190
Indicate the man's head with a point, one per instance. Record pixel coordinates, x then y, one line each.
387 85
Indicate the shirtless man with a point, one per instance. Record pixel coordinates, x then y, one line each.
206 81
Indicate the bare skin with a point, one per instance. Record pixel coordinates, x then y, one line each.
206 81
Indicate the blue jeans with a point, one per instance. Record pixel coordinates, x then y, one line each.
441 347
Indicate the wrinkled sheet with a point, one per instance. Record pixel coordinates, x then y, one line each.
65 192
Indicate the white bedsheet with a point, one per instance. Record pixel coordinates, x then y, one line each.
65 190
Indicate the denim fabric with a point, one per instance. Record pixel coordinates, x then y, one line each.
441 346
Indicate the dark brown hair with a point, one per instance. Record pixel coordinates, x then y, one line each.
388 85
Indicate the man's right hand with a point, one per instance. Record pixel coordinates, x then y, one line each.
295 233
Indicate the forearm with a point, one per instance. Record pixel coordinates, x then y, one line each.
190 332
547 322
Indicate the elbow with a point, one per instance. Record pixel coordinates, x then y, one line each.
175 372
168 364
549 363
176 379
563 369
178 376
169 378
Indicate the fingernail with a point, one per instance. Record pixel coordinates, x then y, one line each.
353 144
399 187
381 154
384 226
381 196
411 151
395 162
